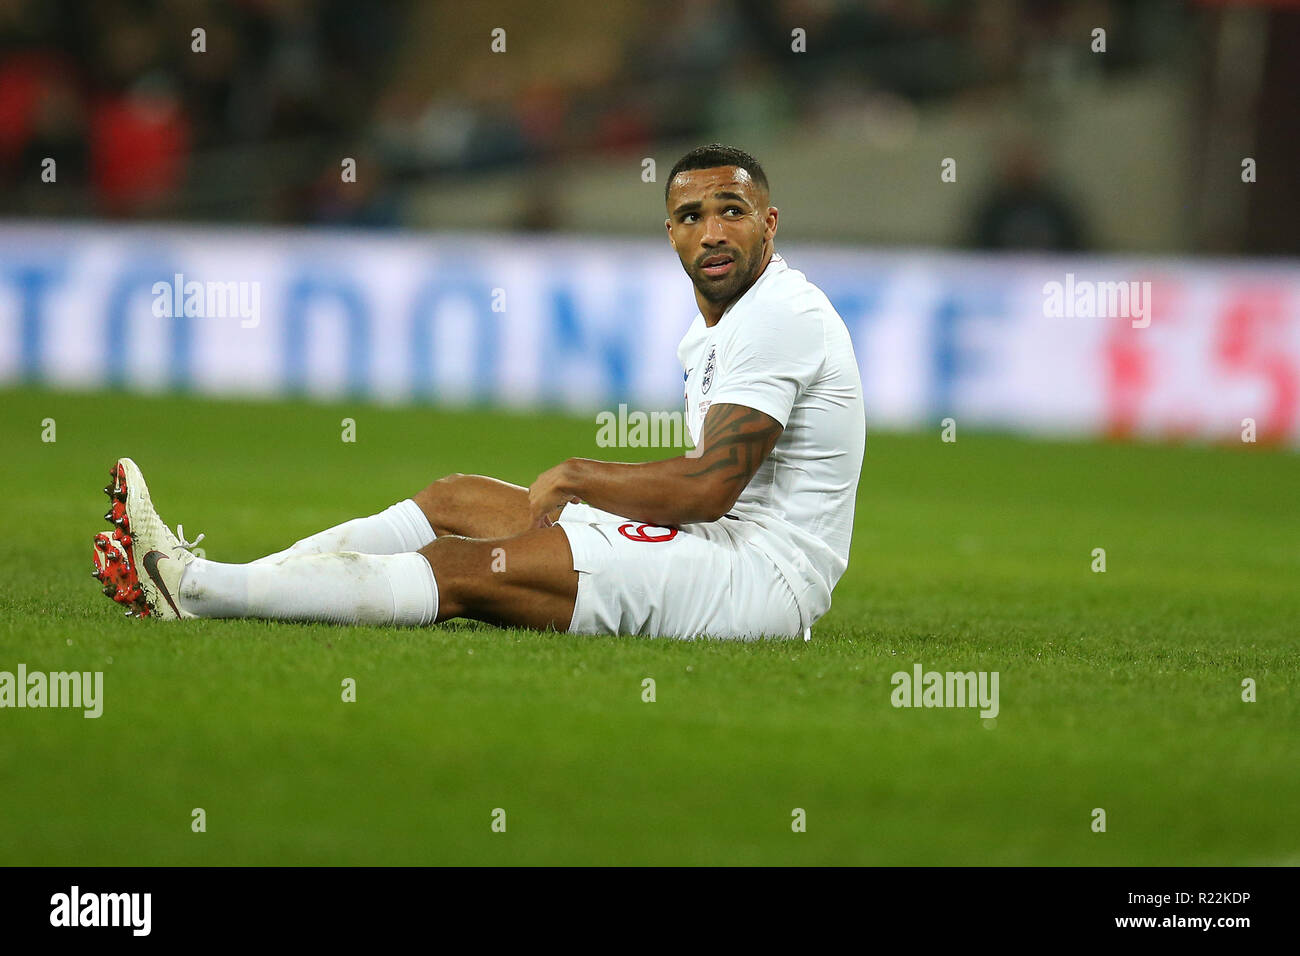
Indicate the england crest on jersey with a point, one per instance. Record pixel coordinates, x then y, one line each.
709 364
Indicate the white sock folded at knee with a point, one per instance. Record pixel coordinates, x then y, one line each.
403 527
340 588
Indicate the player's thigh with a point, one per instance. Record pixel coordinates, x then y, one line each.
524 580
694 581
475 506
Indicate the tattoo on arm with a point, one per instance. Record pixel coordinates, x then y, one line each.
734 442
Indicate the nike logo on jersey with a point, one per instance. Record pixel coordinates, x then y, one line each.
151 568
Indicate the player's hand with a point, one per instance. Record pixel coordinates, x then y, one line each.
548 495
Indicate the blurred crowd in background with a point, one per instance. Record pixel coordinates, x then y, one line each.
253 129
116 92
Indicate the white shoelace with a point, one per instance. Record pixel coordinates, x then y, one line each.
188 545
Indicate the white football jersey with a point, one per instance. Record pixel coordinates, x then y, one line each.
781 348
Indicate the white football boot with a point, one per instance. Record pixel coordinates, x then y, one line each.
140 562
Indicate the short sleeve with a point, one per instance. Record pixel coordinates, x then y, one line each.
769 359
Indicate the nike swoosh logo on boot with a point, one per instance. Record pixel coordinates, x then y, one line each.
151 568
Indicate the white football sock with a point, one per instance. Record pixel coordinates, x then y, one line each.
403 527
341 588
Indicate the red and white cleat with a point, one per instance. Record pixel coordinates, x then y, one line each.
140 562
114 570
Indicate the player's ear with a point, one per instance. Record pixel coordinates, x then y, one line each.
668 224
769 223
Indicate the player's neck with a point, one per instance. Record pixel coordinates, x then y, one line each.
713 311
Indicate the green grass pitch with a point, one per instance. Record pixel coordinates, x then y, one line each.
1119 690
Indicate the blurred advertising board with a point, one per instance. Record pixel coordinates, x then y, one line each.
1143 347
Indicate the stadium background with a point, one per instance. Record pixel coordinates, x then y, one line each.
498 273
1109 167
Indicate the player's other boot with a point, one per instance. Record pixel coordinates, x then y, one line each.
140 562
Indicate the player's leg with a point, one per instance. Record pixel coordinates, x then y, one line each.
475 506
470 505
526 580
522 581
703 579
397 529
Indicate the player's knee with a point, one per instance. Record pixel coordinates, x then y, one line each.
437 498
444 486
461 567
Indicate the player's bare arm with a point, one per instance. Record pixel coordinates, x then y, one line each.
700 486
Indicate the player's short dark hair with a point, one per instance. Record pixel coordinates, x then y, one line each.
714 155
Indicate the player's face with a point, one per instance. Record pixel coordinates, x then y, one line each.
720 223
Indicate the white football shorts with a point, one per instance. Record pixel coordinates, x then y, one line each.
700 580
